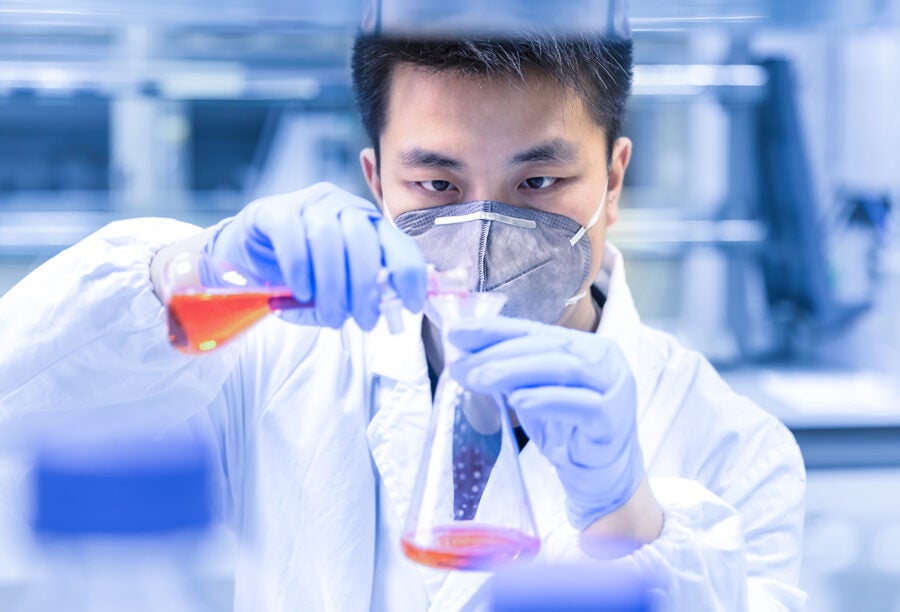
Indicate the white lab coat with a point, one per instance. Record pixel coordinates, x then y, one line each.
318 435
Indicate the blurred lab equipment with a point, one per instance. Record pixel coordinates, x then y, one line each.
760 256
827 284
119 522
569 587
397 17
469 509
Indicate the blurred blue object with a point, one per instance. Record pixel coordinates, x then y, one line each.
117 486
801 281
594 587
121 521
436 17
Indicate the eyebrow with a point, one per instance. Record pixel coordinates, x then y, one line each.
556 151
422 158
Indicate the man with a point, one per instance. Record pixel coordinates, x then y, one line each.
504 157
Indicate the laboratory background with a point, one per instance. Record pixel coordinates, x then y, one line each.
756 220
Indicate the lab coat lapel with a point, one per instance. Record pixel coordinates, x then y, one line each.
401 406
621 323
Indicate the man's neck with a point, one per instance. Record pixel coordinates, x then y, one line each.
585 315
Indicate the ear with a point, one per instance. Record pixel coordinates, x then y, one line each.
369 162
621 155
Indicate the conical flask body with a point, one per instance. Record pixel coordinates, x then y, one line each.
210 301
469 509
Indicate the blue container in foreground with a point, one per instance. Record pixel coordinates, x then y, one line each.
121 486
120 522
569 588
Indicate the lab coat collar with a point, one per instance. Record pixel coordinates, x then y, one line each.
621 323
619 320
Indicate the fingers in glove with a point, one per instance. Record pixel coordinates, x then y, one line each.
531 361
291 252
363 265
571 425
406 265
478 334
329 264
257 255
518 370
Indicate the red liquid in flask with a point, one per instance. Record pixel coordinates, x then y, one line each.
200 322
472 547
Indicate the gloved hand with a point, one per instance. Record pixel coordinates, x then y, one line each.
327 245
573 394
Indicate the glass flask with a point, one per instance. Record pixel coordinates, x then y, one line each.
469 509
210 301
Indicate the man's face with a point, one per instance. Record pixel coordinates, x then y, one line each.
450 139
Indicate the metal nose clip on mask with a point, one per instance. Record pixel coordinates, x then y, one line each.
539 260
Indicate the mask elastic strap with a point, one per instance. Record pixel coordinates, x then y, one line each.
387 213
575 298
482 215
581 232
594 218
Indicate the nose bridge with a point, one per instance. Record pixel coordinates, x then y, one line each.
487 185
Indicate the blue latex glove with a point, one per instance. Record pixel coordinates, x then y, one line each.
574 396
326 245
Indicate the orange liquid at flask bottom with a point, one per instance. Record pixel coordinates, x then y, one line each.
472 547
200 322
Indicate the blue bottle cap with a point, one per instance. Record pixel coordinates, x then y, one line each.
122 486
600 587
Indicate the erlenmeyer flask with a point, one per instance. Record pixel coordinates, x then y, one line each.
469 509
211 301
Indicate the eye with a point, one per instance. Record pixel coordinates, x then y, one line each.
538 182
436 185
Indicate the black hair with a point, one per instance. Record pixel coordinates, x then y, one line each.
597 68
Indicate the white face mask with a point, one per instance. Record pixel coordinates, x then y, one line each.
539 260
